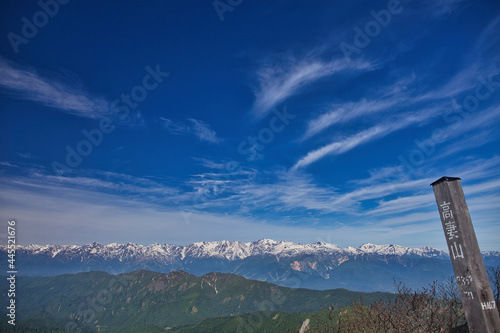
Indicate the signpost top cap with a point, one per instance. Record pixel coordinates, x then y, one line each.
442 179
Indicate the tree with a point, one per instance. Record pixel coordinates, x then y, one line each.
436 308
494 275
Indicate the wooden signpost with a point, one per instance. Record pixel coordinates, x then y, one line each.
475 290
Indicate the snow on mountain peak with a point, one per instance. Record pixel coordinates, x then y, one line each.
226 250
370 247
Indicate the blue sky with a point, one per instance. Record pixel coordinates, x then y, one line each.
185 121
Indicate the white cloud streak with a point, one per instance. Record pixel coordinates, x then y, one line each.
27 84
203 131
79 216
277 83
382 175
174 127
344 145
344 113
465 80
439 8
196 127
375 132
470 172
96 181
101 195
207 163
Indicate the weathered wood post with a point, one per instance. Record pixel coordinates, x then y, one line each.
472 279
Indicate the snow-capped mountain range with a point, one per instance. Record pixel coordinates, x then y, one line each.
318 265
221 250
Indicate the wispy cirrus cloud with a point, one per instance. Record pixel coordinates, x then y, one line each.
343 145
463 81
95 216
403 204
174 127
404 96
343 113
280 192
383 99
444 7
27 84
25 155
480 64
481 174
277 82
468 142
468 132
203 131
367 135
381 175
487 41
285 191
8 164
96 213
102 181
482 120
196 127
477 194
207 163
355 197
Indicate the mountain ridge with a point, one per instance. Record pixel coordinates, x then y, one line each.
232 250
318 265
113 303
